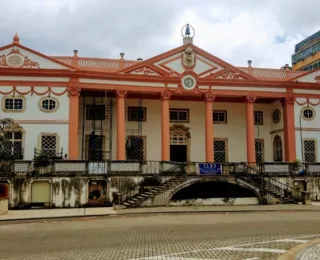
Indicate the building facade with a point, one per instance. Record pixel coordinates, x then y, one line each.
181 105
307 54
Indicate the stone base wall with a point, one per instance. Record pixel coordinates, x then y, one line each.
4 204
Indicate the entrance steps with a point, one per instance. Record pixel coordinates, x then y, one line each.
138 199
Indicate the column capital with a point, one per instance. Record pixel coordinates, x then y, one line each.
250 99
208 97
74 90
288 101
166 95
121 93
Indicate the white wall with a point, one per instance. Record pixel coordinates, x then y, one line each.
34 121
310 128
234 130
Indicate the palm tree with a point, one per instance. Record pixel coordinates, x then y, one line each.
6 123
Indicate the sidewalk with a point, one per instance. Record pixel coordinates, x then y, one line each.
55 213
13 215
223 209
307 251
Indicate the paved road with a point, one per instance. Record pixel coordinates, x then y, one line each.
237 236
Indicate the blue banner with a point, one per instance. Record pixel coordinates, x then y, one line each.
210 168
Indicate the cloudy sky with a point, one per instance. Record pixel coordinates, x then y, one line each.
264 31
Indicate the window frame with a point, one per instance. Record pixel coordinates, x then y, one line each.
144 111
49 134
261 116
225 112
263 152
87 139
8 110
88 107
179 110
306 118
226 149
144 138
315 149
57 104
277 140
12 140
273 113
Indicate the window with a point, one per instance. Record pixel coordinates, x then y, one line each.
276 116
259 148
277 149
14 104
49 104
309 151
179 115
135 147
49 144
308 113
219 116
96 112
13 146
95 147
220 150
137 113
258 117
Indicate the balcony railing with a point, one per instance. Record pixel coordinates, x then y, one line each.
65 167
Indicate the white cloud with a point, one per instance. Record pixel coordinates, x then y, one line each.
235 31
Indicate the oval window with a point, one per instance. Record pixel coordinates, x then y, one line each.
49 104
308 113
276 116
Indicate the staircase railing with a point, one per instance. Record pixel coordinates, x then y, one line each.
121 196
177 167
268 184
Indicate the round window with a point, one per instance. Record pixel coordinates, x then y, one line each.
308 113
49 104
276 116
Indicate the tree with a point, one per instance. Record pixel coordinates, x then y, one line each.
6 123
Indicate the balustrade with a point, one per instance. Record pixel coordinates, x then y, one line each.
70 167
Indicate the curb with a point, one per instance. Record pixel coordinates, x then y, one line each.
153 213
293 252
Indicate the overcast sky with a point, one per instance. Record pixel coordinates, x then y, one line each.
264 31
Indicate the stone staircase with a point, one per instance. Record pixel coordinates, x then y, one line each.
139 198
266 185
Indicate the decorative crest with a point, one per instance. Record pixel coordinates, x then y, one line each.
188 58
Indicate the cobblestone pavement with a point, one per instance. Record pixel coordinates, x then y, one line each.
236 236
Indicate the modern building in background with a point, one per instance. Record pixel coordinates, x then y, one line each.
306 56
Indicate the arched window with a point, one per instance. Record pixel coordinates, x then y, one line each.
277 149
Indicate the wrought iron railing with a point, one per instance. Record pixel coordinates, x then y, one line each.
166 167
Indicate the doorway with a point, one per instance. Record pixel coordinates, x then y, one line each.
178 153
179 143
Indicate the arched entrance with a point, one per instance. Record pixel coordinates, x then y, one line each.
211 192
179 143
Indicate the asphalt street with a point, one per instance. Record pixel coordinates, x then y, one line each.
236 236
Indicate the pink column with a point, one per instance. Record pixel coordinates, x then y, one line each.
209 127
165 126
251 154
289 129
121 125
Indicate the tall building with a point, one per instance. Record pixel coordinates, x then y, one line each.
307 53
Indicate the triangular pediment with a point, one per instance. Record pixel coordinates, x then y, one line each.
309 77
147 69
190 57
18 56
